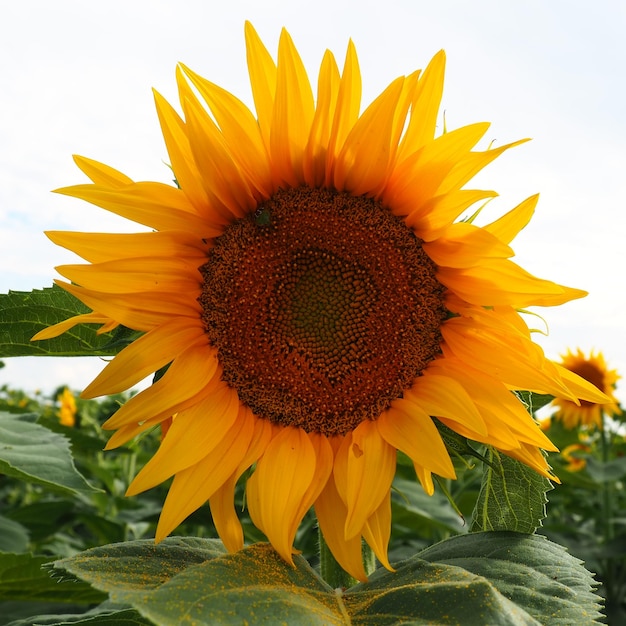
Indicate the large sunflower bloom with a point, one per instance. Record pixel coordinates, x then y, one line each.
594 369
315 299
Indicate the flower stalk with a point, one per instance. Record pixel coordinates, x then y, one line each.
333 574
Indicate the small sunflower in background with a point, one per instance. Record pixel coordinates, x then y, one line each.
67 408
571 455
317 299
594 369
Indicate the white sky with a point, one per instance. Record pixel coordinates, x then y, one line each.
76 77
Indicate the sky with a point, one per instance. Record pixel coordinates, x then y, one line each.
76 77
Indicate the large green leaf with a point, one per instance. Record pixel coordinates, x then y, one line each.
32 453
194 581
23 578
512 496
23 314
499 579
533 572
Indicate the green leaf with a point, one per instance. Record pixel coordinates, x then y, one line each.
536 574
43 518
512 496
412 505
500 579
13 536
186 580
422 593
22 578
534 401
608 471
32 453
97 617
139 565
21 613
23 314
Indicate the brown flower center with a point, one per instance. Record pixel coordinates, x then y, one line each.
323 307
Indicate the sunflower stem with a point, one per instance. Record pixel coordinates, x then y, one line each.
369 558
333 574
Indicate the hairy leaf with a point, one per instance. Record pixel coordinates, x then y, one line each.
512 496
535 573
489 578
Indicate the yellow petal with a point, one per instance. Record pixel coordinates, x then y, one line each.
100 247
423 120
465 245
187 381
226 186
192 487
364 469
292 115
102 174
262 70
506 357
470 165
581 388
225 517
426 478
534 458
130 431
58 329
498 406
161 274
443 396
324 459
407 99
240 130
438 213
314 164
277 488
222 502
138 311
377 531
507 227
421 174
155 205
331 515
496 282
415 434
194 434
181 157
362 166
145 356
347 109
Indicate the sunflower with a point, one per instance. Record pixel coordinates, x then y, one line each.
316 299
67 408
592 368
570 454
